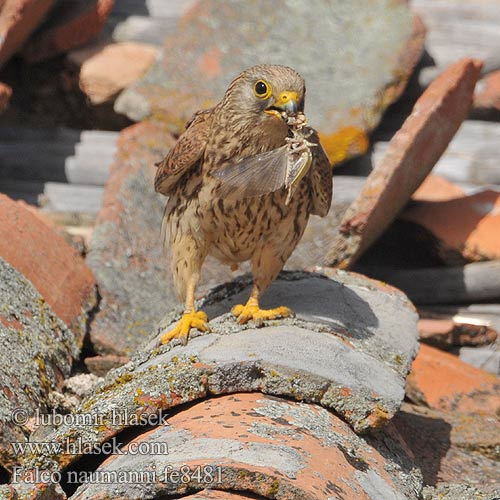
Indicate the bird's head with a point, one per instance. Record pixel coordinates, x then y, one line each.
265 91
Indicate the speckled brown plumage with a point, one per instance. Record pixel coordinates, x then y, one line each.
262 229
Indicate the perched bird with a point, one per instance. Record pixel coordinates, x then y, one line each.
224 196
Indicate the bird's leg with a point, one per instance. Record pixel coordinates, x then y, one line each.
267 262
190 318
252 311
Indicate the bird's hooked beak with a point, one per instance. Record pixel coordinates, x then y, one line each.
287 101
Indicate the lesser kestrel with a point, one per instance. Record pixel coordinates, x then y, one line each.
242 181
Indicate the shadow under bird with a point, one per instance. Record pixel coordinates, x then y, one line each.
242 181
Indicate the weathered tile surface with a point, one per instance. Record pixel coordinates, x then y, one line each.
442 381
349 349
452 448
357 371
46 291
29 491
219 495
457 491
455 332
265 446
36 353
347 89
412 153
56 270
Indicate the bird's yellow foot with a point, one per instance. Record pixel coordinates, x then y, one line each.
251 310
193 319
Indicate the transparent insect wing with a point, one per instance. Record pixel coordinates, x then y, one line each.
297 168
254 176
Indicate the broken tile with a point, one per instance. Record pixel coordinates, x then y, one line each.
72 23
265 446
18 19
471 157
215 41
483 313
5 95
442 381
412 153
45 293
106 69
468 225
456 332
55 269
437 188
100 365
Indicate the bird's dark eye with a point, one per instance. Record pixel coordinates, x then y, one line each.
262 89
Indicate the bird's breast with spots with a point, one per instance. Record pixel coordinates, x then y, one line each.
239 227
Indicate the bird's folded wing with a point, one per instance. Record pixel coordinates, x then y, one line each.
321 176
185 154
